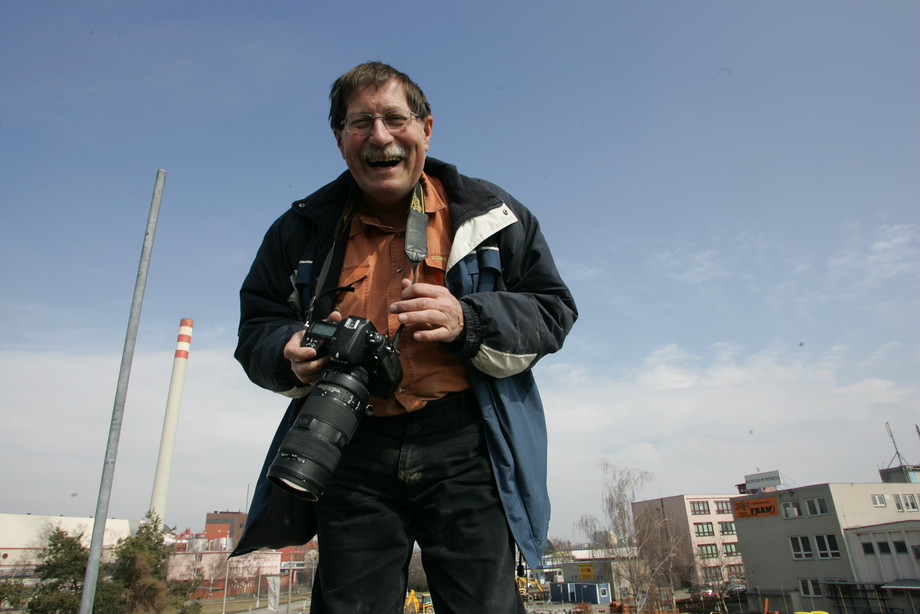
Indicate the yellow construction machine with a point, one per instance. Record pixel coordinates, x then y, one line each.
531 589
418 603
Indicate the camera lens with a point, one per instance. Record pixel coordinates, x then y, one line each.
312 448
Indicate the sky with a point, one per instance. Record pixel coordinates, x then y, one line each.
730 189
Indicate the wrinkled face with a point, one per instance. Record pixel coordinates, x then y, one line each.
385 165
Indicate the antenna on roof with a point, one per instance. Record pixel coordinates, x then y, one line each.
897 453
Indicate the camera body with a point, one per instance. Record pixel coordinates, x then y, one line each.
355 342
362 363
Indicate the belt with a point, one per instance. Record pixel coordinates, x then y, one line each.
450 401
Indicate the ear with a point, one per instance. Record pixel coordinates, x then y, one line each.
427 123
339 141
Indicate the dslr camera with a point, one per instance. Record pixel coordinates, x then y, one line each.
362 363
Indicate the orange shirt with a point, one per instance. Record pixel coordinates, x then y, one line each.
375 264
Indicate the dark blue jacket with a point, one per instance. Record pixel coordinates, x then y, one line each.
516 310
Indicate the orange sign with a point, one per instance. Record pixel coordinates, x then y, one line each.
586 571
754 508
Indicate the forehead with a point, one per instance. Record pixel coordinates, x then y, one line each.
376 97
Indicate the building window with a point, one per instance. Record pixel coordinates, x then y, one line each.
900 547
734 571
703 529
827 546
723 506
879 501
712 575
727 528
698 508
897 503
884 548
868 548
708 551
916 550
816 507
810 587
731 549
801 548
791 509
910 502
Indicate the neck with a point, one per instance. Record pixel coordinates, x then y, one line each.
393 215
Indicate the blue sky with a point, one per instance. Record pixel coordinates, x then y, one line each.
730 189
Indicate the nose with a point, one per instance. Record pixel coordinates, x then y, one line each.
379 135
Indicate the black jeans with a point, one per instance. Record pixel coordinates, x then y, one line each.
423 477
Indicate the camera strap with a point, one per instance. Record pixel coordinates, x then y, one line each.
416 243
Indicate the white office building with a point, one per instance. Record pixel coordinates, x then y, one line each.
849 548
704 529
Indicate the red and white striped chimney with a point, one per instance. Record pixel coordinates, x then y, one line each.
171 420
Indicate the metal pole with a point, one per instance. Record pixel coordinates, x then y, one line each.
226 584
259 584
121 392
290 581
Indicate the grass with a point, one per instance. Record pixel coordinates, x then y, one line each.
245 604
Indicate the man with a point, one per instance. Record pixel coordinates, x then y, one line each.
455 460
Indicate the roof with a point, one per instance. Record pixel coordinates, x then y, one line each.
907 584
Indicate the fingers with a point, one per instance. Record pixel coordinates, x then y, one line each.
433 313
295 351
306 367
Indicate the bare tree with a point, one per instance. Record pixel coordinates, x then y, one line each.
643 550
555 545
724 586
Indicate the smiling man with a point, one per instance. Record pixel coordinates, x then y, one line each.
457 275
386 158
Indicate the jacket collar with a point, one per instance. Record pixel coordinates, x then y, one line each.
467 197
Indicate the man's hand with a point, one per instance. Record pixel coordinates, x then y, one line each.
431 311
304 363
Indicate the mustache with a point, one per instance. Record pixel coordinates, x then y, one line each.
373 153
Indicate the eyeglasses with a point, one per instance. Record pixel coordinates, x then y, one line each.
363 123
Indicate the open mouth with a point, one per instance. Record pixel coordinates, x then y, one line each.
384 163
383 157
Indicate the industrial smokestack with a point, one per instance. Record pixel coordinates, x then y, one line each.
171 421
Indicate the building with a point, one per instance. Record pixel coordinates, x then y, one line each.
227 525
593 576
703 529
217 574
901 473
833 547
201 556
24 536
198 556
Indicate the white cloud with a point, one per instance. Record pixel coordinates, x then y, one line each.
698 422
867 263
57 408
881 354
701 424
688 264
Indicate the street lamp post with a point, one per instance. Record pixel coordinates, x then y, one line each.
259 584
226 584
290 581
